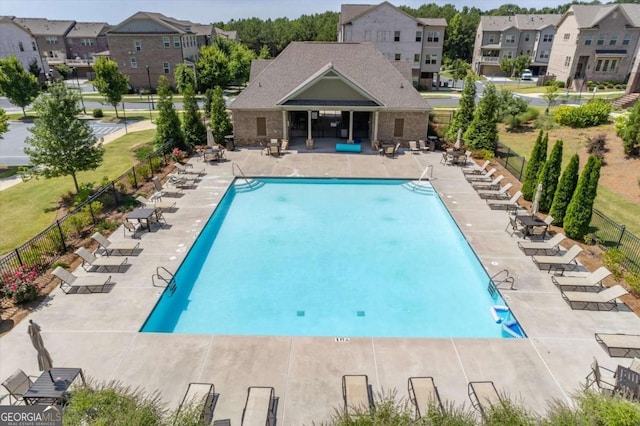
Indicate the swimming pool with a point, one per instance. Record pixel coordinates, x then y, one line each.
329 257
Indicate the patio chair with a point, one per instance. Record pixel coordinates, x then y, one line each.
604 385
284 146
165 192
635 365
17 384
70 282
550 245
482 176
602 301
130 227
483 395
511 203
413 146
589 282
495 194
423 394
564 262
423 146
447 158
182 169
356 394
513 225
117 248
261 407
274 148
201 394
541 231
494 184
620 345
475 170
90 261
165 206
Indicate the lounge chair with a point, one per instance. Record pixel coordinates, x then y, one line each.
182 169
162 205
482 176
564 262
423 146
483 395
476 170
591 281
602 301
70 282
495 194
509 204
117 248
423 394
620 345
356 394
605 385
182 181
165 192
550 245
201 394
494 184
261 407
635 365
413 146
17 384
90 261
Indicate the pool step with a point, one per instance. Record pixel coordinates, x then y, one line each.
247 185
420 187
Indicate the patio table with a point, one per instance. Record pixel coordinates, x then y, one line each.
51 386
142 214
530 222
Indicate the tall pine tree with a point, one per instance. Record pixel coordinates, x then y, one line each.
535 162
482 132
168 131
549 175
564 191
464 115
219 119
578 217
192 126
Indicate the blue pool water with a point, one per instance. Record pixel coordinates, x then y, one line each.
329 257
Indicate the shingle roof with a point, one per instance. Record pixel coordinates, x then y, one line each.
10 20
435 22
589 15
257 66
45 27
87 29
203 30
361 63
161 21
522 22
350 11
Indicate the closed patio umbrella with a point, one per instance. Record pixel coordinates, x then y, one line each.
536 200
210 142
458 143
44 359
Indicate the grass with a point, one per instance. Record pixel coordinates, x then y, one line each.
34 204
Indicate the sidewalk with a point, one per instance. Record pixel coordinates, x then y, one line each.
135 127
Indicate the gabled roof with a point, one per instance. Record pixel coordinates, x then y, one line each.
10 20
45 27
587 16
358 65
202 30
433 22
521 22
87 29
230 35
152 23
257 66
351 12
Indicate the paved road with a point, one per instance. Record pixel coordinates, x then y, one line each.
11 147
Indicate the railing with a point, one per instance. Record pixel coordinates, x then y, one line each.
490 59
511 161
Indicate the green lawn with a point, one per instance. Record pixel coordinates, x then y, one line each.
31 206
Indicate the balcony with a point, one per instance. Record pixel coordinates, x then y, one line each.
490 59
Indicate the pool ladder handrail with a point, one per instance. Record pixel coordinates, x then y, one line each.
169 281
248 181
502 277
429 169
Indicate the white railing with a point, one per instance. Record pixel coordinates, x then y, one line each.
491 59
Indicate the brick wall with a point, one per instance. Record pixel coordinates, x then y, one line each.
245 127
415 126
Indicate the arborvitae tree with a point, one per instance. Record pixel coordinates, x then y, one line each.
464 115
535 162
630 133
578 217
168 131
482 132
219 121
192 126
549 175
4 125
184 76
20 87
564 191
208 98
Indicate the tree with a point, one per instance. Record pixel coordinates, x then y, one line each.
223 63
34 68
464 114
535 162
219 121
264 53
65 71
459 70
482 132
550 94
192 127
549 175
110 82
580 208
20 87
506 66
184 76
4 125
208 99
168 131
62 144
511 106
631 132
564 190
520 64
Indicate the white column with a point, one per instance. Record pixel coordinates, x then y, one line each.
309 125
350 139
285 128
375 126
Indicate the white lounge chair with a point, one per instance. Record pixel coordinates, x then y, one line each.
511 203
476 170
413 146
487 185
201 394
70 282
495 194
423 394
188 170
620 345
90 261
423 146
356 394
550 245
591 281
115 248
602 301
260 408
564 262
487 177
483 395
182 181
165 206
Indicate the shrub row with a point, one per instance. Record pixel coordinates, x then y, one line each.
593 113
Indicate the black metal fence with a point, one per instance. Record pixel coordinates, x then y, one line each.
49 245
607 232
441 117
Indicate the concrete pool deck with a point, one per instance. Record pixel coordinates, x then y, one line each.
99 332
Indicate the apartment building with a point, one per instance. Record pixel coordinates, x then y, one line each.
85 40
595 43
50 36
147 45
398 36
18 41
500 37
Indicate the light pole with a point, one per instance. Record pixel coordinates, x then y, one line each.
149 81
124 115
75 70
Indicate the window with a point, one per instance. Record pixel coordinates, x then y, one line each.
261 126
396 36
567 61
398 128
133 62
492 38
431 59
587 40
426 75
34 46
176 41
547 38
416 57
418 35
89 42
601 38
626 40
137 45
613 40
567 36
52 40
544 54
614 63
396 56
433 36
20 46
598 65
526 37
605 66
165 67
510 39
166 41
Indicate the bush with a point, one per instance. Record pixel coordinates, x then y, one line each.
529 115
633 279
545 122
593 113
97 113
612 259
597 146
20 285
